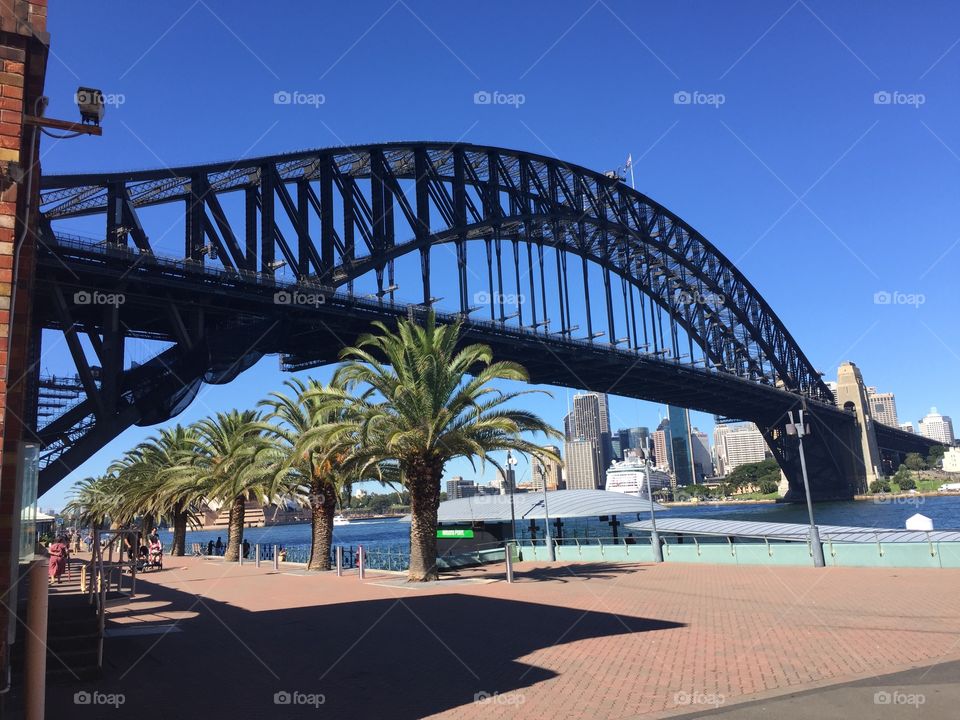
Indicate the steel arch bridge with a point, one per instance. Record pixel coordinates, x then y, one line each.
274 250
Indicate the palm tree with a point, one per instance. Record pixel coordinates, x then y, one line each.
94 500
420 409
151 486
237 461
299 421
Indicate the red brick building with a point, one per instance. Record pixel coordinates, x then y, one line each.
23 60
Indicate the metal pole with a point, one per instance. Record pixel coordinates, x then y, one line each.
276 558
815 544
510 477
654 535
256 554
551 553
361 561
508 557
339 556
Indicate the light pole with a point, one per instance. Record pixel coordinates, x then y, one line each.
800 429
541 468
510 474
654 535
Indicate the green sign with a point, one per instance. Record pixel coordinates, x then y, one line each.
454 533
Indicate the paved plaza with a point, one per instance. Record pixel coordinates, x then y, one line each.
209 640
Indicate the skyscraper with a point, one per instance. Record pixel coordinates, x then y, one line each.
883 407
582 469
661 447
591 421
937 427
638 437
681 450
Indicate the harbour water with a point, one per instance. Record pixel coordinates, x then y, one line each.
877 513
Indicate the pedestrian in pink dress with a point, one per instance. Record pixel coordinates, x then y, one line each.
59 552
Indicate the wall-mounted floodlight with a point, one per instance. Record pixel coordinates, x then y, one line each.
90 103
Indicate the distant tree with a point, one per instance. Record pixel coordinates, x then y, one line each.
935 456
768 486
443 496
879 486
915 461
907 483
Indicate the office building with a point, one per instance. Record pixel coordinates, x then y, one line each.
661 447
639 437
702 461
907 427
582 464
951 460
737 445
458 488
681 450
547 470
937 427
883 407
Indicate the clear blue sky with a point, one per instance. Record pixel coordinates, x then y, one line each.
824 192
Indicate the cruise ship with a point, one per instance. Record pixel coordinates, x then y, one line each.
628 476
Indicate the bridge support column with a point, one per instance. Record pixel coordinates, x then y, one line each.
852 396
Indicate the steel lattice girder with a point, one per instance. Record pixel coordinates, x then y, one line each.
462 193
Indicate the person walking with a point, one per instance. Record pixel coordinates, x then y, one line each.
210 548
219 546
246 548
59 554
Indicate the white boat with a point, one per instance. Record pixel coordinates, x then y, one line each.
340 520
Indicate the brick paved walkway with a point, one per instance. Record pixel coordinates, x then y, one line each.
588 640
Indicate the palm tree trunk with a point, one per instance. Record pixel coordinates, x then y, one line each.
179 532
424 482
323 505
235 532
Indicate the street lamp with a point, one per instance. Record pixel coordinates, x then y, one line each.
542 469
510 475
654 535
800 429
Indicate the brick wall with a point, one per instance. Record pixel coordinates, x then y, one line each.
23 54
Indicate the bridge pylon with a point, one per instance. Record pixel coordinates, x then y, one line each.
852 397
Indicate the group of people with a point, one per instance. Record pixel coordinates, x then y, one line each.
60 550
218 548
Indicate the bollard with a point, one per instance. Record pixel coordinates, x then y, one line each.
361 561
256 554
508 555
276 558
240 555
35 652
339 556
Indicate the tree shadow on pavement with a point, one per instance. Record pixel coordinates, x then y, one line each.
400 658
